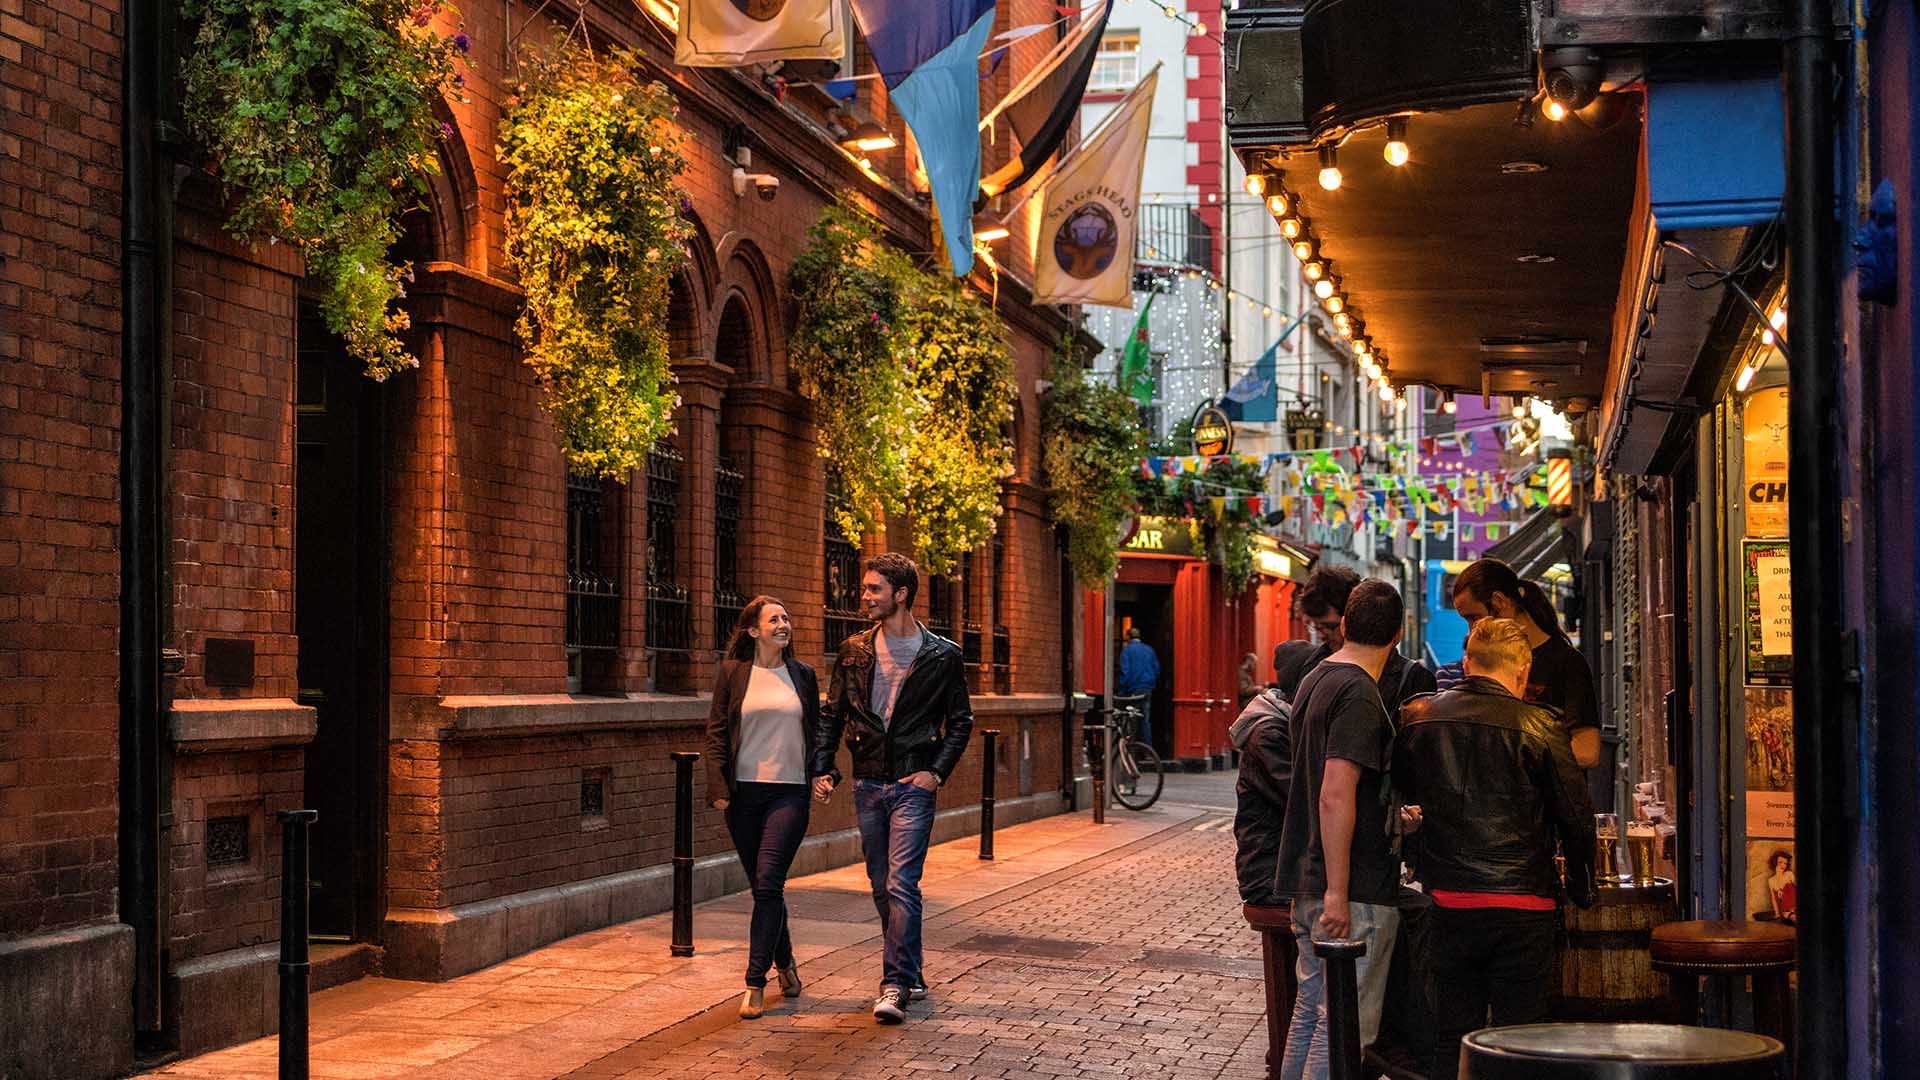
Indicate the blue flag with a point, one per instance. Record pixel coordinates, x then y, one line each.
928 52
1255 399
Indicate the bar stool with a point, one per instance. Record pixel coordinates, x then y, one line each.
1277 955
1619 1052
1689 951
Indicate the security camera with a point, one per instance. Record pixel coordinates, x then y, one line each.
765 184
1572 75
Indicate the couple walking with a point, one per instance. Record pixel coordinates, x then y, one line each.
898 694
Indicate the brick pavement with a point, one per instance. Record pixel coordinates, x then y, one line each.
1079 952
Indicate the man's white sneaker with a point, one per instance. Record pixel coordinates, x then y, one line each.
891 1008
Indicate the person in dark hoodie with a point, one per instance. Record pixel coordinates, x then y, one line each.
1266 764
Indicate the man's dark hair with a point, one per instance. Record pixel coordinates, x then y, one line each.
1328 589
899 571
1374 611
1133 633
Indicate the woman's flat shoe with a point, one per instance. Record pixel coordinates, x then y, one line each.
789 983
753 1004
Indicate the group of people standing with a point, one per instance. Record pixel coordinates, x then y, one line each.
1420 811
898 697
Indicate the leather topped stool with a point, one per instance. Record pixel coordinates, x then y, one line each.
1705 948
1277 954
1619 1052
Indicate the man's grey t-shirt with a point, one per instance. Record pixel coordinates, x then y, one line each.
892 657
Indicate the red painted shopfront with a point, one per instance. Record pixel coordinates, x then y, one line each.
1179 602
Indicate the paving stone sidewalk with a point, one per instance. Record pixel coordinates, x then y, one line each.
1080 951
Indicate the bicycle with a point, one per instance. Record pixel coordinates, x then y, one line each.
1134 773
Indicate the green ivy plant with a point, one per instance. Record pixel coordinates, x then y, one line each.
912 382
317 118
1091 443
595 227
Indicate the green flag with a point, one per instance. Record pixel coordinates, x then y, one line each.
1136 363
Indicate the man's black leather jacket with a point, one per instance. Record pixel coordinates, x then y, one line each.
1496 784
932 717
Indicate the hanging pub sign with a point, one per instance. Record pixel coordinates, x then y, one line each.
1212 433
1764 421
1160 536
1768 593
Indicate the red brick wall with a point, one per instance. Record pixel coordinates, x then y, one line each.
59 465
226 907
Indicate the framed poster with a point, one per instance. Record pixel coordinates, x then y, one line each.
1767 590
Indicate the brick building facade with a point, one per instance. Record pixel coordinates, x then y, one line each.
387 601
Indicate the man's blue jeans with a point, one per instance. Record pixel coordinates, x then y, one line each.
896 824
1376 924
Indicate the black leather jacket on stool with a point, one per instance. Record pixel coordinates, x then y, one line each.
1496 782
932 718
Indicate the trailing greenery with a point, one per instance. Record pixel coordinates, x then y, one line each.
911 377
1226 536
317 116
594 225
1092 442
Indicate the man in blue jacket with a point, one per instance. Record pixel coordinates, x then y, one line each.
1139 674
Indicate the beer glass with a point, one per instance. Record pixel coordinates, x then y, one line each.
1640 840
1606 839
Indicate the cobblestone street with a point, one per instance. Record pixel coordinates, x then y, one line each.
1078 952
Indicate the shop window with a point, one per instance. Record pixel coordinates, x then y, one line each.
1002 636
729 594
970 628
840 567
593 578
669 607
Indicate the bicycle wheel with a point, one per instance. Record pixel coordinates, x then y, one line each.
1138 775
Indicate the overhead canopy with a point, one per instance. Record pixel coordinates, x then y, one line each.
1535 547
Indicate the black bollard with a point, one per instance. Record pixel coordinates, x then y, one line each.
1097 737
295 971
989 764
683 852
1343 1006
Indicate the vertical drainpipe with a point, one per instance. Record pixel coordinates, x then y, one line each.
1069 628
140 437
1824 700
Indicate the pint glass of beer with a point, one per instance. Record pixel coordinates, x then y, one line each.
1640 840
1606 839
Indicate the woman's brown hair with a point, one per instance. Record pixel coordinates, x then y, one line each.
744 645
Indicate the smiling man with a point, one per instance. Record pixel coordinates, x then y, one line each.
898 694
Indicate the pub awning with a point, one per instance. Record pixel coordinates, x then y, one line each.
1536 546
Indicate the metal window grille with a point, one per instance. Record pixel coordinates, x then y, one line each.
940 613
593 585
669 604
840 566
1173 233
729 595
227 841
970 630
1002 637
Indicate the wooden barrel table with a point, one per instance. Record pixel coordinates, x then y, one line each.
1603 970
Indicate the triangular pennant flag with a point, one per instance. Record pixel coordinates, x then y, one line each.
1466 531
1359 455
1219 507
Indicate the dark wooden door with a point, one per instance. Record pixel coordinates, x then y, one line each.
340 617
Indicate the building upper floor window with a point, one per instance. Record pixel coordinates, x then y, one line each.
1117 67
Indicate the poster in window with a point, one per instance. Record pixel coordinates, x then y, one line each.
1773 891
1769 712
1763 419
1768 594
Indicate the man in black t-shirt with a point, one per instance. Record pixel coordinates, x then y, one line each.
1335 860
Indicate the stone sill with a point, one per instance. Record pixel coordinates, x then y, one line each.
482 716
207 726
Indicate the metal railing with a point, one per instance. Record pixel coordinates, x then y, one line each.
729 596
669 603
840 567
593 584
1173 233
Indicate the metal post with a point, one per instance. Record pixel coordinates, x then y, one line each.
295 971
990 763
683 852
1337 959
1099 740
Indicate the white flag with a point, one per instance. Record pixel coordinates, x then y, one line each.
1084 236
732 33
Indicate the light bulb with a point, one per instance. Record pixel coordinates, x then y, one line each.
1256 184
1290 228
1303 250
1277 204
1447 404
1519 406
1323 288
1346 330
1266 311
1554 111
1396 151
1386 391
1399 404
1343 322
1747 372
1778 320
1314 270
1329 168
1335 305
